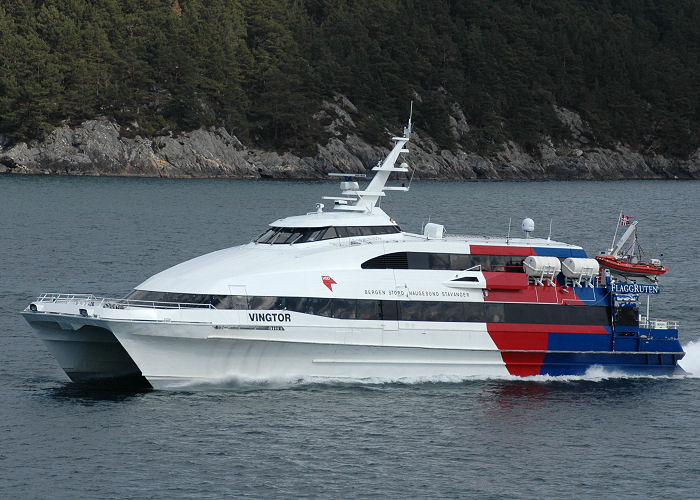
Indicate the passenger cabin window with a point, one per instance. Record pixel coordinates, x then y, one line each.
449 261
289 235
399 310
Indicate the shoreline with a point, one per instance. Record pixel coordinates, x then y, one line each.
96 148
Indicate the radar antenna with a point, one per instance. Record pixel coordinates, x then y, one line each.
407 130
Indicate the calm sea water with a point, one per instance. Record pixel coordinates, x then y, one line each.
486 438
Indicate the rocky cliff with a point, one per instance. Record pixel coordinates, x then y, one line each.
98 147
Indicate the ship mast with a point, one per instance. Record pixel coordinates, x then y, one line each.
367 198
375 189
630 231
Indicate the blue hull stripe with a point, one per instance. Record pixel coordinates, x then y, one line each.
562 253
632 363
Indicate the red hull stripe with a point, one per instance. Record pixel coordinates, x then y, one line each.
544 328
541 294
507 281
520 341
500 250
523 364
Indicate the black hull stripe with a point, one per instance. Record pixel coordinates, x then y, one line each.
402 310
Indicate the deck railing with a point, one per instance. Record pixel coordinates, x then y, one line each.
90 300
660 324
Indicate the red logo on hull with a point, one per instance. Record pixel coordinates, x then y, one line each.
329 282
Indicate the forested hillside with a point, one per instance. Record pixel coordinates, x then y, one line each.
261 68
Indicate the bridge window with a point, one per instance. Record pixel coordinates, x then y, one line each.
289 235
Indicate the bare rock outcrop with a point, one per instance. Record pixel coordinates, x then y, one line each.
97 147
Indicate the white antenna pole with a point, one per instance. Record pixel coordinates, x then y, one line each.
549 237
508 235
617 226
648 300
368 198
407 130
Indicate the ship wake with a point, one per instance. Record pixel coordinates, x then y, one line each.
691 365
691 361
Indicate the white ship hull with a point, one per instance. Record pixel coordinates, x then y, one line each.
166 359
174 353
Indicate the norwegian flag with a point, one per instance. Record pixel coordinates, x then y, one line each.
625 220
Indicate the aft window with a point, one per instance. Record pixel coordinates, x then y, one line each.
627 316
449 261
396 260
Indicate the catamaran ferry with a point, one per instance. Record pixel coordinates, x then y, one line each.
344 292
